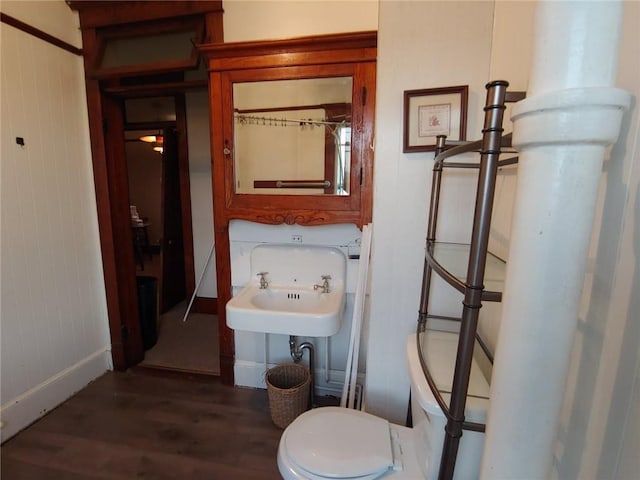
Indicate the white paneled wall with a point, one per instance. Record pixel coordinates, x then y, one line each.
51 16
53 320
197 104
420 45
259 20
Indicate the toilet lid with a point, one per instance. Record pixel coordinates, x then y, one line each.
340 443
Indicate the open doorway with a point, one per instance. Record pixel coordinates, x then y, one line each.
156 156
133 51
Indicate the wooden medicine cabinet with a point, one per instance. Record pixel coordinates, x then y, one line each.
291 138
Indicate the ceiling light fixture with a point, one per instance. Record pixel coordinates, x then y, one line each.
159 139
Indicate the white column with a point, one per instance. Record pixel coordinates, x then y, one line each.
561 131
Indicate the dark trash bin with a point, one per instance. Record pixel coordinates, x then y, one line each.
148 309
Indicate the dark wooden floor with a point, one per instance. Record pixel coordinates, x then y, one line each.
155 426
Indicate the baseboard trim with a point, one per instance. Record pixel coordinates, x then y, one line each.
252 374
205 305
21 411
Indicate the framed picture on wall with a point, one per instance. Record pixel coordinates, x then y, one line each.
432 112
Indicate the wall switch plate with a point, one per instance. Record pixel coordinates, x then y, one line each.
296 238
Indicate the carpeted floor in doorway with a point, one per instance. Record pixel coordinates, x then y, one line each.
190 346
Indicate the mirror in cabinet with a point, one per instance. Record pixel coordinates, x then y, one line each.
292 137
292 132
291 140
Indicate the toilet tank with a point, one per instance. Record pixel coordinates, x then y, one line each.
429 420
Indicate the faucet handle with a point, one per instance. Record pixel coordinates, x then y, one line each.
263 281
325 284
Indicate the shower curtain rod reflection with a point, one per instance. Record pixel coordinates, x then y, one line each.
286 122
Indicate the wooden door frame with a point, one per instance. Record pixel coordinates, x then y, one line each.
125 330
96 18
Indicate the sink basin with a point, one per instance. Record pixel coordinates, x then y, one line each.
287 310
289 304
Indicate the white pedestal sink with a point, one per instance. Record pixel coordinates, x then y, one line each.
294 300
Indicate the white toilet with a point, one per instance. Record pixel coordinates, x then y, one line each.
339 443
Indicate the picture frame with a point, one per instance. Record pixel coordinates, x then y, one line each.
431 112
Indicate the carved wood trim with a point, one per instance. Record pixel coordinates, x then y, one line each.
292 218
295 217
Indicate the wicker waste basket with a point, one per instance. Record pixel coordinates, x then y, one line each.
288 389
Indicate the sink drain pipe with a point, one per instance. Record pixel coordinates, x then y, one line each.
296 354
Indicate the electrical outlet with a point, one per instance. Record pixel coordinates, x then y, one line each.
296 238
